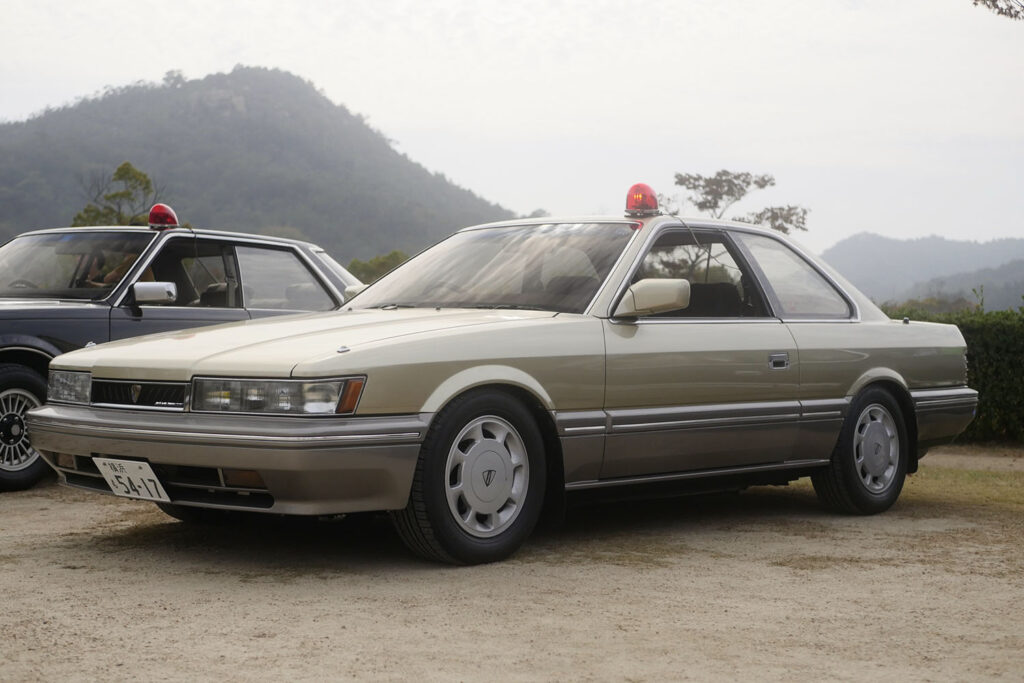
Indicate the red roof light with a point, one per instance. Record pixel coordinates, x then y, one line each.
641 200
162 217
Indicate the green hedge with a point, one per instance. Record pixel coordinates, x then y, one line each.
995 367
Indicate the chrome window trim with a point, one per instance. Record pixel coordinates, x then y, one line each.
854 315
657 232
156 246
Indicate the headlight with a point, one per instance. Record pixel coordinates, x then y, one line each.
277 397
69 387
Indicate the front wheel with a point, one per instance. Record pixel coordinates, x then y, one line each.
479 482
21 389
869 464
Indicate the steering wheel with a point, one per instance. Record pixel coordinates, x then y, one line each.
23 284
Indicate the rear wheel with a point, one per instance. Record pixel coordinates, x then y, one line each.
479 482
21 389
869 464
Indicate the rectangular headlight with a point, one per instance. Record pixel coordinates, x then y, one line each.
277 397
69 387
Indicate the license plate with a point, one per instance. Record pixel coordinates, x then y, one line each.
131 479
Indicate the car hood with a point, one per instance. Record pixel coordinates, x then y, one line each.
273 347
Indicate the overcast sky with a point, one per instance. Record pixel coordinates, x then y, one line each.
904 118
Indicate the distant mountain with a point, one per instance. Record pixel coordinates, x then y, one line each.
253 150
887 269
1001 288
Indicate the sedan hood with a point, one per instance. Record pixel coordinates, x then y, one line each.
271 347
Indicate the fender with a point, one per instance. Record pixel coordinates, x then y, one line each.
876 375
24 342
471 378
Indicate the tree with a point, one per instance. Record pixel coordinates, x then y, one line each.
715 194
1011 9
371 270
123 198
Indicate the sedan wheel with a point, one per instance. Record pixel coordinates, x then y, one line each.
479 482
869 464
488 476
21 389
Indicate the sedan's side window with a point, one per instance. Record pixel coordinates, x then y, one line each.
800 290
276 279
201 270
720 287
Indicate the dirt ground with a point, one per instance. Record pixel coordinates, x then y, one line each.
764 585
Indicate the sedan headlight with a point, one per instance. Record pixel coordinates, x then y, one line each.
69 387
277 397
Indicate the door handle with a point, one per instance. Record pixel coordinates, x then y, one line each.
778 361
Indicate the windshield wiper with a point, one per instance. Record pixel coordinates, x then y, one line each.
393 306
510 307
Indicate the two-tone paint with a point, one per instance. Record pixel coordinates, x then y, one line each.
620 401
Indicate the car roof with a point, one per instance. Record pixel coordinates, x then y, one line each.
201 232
659 219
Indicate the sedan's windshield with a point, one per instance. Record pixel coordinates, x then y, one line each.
553 267
68 265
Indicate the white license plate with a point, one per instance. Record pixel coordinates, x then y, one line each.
131 479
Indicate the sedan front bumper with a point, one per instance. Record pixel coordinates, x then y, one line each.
308 465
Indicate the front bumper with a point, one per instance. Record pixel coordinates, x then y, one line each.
309 466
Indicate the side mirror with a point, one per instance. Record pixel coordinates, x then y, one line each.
653 295
352 290
155 292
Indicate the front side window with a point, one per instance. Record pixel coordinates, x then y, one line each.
82 264
719 286
275 279
552 267
799 289
201 270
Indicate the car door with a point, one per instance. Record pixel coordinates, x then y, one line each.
204 273
277 280
713 385
835 350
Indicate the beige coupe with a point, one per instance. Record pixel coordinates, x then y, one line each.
510 364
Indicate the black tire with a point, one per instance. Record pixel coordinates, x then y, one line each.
194 515
449 517
21 389
869 463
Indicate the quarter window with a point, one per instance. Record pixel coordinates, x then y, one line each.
800 290
275 279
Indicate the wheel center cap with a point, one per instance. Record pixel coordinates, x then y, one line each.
875 449
489 477
12 429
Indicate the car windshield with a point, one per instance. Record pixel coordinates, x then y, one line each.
552 267
68 265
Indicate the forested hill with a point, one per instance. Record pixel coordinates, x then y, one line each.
888 269
255 150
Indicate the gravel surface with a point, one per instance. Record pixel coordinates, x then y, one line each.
762 585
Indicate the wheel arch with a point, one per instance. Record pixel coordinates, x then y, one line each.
35 357
553 508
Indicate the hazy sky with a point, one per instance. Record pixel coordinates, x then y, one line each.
904 118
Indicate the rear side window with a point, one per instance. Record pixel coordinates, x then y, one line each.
800 290
276 279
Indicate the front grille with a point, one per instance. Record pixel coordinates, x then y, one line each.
166 395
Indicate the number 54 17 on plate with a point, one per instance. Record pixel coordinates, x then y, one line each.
131 479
